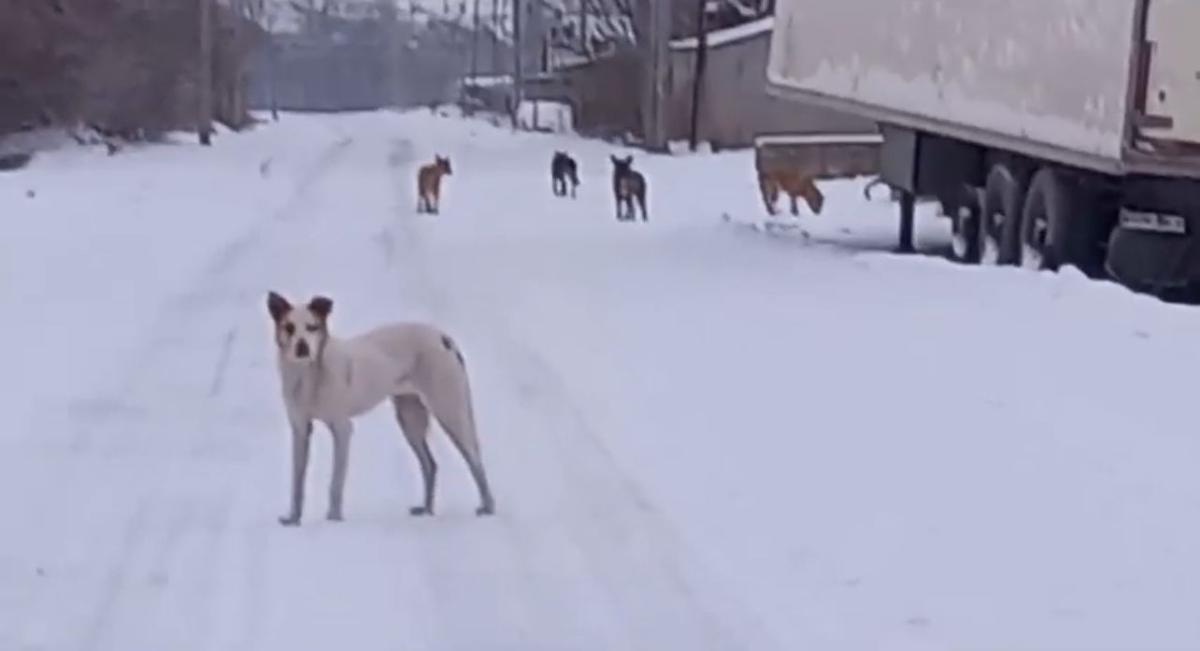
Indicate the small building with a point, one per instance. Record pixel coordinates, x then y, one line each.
734 103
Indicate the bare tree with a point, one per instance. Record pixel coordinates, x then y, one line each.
266 14
126 67
590 27
748 9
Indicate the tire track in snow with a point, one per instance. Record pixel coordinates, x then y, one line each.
218 381
203 293
633 556
653 569
133 536
531 606
155 530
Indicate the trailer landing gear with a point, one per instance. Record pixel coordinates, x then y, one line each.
907 204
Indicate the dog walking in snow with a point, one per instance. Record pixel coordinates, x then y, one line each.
563 170
331 380
429 185
628 186
793 183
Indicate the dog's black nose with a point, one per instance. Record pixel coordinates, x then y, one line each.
302 349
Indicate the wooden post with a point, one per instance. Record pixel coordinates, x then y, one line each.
393 50
475 42
584 44
495 37
698 81
518 71
272 53
204 79
656 53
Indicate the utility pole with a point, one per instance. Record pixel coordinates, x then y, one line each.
583 30
518 70
204 79
495 37
475 43
392 52
272 53
698 81
656 52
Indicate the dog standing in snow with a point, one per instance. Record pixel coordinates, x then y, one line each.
429 185
332 380
628 186
794 183
563 170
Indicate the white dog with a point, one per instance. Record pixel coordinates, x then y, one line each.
335 380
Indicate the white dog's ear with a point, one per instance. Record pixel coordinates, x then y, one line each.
321 306
278 306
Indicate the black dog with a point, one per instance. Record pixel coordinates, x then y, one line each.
628 186
563 170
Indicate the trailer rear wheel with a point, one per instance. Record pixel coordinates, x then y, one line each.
1058 226
1003 203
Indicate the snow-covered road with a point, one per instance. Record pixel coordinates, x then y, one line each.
699 437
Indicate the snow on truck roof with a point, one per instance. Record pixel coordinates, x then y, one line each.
819 139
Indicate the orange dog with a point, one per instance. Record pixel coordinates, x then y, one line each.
794 183
429 184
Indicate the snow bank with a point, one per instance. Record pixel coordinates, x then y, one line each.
91 237
544 115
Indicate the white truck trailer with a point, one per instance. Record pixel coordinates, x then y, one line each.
1051 131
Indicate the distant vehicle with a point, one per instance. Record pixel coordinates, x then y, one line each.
1051 132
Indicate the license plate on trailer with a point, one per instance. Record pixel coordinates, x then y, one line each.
1137 220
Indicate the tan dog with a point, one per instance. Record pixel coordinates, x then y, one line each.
795 184
331 380
429 185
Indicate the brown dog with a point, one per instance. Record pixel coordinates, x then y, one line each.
795 184
429 185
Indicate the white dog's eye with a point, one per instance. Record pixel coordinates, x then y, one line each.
289 328
312 327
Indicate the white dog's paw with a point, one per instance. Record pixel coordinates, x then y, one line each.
420 511
290 520
335 516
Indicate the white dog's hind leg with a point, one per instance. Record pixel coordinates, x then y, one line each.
453 412
468 447
341 460
414 422
301 435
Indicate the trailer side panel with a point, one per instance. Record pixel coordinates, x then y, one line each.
1053 73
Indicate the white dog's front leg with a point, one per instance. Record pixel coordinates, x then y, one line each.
341 460
301 435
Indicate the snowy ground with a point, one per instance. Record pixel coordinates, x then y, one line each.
700 437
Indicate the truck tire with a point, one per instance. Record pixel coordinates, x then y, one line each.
1003 202
1057 227
965 216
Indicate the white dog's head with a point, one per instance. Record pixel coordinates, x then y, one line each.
300 332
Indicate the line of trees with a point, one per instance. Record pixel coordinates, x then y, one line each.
124 67
610 23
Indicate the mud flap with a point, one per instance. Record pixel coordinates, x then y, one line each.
1150 261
